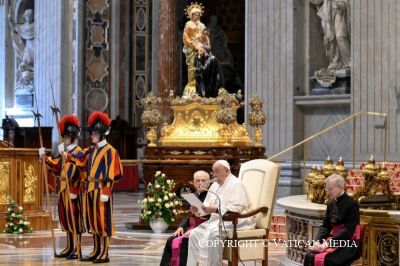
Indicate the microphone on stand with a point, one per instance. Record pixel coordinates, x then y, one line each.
220 221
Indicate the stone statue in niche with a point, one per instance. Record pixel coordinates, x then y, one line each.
23 43
335 18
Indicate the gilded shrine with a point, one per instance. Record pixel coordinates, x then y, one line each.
202 131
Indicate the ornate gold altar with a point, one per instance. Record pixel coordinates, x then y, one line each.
20 177
195 124
203 131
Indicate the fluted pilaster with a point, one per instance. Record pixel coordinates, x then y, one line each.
52 59
269 67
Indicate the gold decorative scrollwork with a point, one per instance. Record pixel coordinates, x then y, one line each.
4 182
387 248
30 183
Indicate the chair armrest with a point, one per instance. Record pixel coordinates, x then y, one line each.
230 216
234 216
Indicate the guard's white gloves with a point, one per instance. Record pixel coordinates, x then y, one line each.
61 148
73 196
42 152
104 198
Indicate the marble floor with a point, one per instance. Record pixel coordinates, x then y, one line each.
128 247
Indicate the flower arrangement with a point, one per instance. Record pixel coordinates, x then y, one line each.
160 200
16 222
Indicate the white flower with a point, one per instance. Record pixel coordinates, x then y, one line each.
172 219
159 200
148 212
168 182
165 197
166 205
158 186
145 200
158 204
163 175
174 211
20 208
150 184
9 209
20 230
6 225
176 202
157 173
12 214
171 195
151 200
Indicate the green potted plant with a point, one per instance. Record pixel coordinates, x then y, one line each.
16 221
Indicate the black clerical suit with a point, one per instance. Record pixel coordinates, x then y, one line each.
209 77
166 257
341 211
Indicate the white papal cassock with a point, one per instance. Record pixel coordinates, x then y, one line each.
234 198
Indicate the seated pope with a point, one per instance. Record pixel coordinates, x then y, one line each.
338 238
233 197
175 251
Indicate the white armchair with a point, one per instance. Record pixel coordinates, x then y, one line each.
260 177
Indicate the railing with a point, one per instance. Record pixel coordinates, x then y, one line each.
352 117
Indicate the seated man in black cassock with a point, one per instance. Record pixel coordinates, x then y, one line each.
176 247
341 222
208 73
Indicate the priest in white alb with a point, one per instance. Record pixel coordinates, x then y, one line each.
234 198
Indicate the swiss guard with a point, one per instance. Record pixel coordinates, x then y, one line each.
69 201
103 169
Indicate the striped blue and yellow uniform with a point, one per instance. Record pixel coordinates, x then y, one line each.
72 173
103 169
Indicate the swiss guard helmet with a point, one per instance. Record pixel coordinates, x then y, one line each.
69 126
100 123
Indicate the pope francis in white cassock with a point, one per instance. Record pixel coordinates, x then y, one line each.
234 198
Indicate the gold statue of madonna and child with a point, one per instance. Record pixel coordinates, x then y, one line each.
205 115
204 72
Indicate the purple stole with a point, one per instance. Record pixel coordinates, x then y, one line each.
320 257
177 241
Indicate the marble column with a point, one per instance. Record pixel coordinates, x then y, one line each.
125 29
115 60
375 76
3 54
52 63
167 53
270 67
